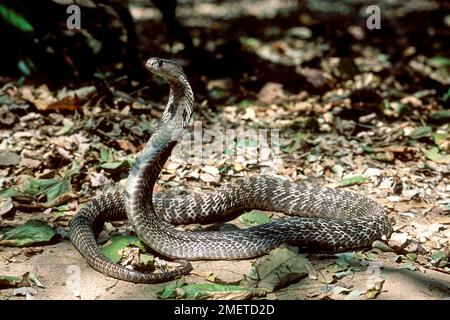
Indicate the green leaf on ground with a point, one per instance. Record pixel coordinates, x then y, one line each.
439 138
9 192
218 93
409 266
9 281
342 274
381 246
336 268
367 148
253 218
296 143
375 286
433 154
26 280
421 132
218 291
245 103
351 181
445 97
411 256
371 256
279 268
117 165
146 259
169 291
53 188
180 290
442 116
437 256
36 187
111 250
343 262
73 170
439 62
31 233
108 162
228 152
106 155
345 258
33 278
250 42
62 208
63 186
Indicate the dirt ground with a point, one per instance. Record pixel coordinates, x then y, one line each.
52 268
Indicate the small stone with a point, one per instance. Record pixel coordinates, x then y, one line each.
338 169
399 240
372 172
211 170
385 156
109 227
6 206
312 158
386 183
300 32
206 177
409 194
393 198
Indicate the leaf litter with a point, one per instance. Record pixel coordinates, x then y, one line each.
358 126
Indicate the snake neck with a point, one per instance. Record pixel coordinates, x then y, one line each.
149 163
179 108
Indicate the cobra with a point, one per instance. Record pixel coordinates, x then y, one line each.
319 218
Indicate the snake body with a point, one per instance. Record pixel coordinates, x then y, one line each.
320 218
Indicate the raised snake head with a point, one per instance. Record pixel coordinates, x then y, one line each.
169 70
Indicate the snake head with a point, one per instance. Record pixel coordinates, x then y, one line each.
167 69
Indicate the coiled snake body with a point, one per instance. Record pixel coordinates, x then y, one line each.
322 219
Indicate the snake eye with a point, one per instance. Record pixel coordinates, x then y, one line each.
158 63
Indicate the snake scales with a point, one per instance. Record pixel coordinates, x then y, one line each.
322 219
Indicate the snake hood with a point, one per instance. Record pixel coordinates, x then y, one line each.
178 112
175 118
